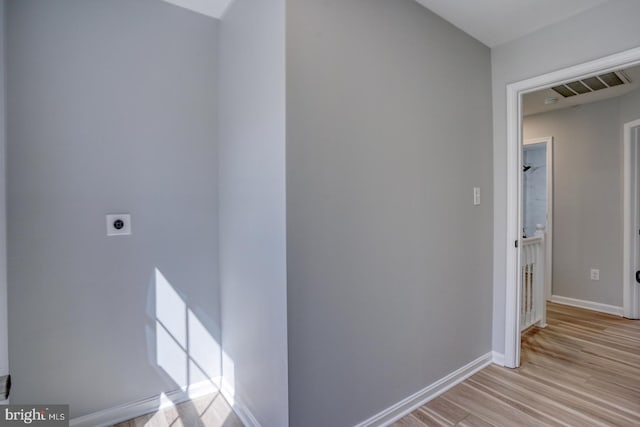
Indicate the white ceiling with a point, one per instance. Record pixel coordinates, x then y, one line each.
213 8
493 22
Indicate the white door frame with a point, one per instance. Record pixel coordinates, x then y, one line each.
514 168
631 226
548 239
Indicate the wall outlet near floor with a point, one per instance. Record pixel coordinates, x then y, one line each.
595 274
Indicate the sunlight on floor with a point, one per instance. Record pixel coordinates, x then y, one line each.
207 411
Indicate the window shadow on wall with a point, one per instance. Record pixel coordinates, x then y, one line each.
182 344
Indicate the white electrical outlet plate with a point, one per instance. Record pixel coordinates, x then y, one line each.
476 196
595 274
118 224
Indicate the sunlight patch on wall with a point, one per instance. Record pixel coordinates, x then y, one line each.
204 351
170 356
185 349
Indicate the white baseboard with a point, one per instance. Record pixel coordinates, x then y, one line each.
239 408
497 358
411 403
131 410
589 305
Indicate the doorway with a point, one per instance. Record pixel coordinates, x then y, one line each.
538 197
513 227
631 173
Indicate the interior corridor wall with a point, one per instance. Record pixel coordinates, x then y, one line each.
252 219
111 108
389 272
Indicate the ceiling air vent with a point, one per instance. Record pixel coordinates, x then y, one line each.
592 84
578 87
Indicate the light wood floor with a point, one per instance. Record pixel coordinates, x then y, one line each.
582 370
207 411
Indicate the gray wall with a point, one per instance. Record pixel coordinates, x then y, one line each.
4 330
388 131
629 108
588 154
570 42
252 207
111 108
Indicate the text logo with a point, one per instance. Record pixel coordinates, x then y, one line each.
34 415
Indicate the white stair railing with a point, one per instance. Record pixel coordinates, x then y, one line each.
532 304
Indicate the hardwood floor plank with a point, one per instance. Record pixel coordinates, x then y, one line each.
582 370
489 406
473 421
409 421
538 403
607 392
446 410
429 418
557 400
